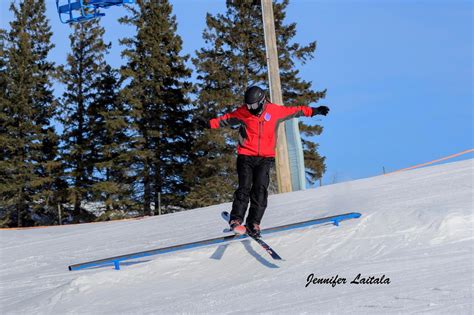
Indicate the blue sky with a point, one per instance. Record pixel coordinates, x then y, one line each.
398 73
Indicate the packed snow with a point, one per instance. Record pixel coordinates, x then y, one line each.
413 245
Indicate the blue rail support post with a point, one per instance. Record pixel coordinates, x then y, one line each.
115 261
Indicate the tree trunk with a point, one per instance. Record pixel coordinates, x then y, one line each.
147 189
77 203
157 191
19 211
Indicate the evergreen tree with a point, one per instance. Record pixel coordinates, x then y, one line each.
234 59
4 102
108 120
157 94
81 75
29 169
6 211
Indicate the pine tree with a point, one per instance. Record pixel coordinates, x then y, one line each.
108 120
6 211
157 94
29 170
81 75
234 59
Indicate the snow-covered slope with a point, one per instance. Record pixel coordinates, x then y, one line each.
416 229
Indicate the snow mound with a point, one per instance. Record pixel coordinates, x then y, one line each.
416 230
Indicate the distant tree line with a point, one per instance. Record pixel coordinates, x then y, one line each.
83 141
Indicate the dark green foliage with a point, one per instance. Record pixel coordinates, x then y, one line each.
112 183
29 170
233 59
156 92
81 76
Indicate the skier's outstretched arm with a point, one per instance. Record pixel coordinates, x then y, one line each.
226 120
289 112
229 119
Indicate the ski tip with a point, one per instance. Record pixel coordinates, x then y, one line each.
225 215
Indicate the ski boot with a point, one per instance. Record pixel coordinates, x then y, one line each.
253 229
237 227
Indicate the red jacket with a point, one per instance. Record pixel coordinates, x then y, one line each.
257 135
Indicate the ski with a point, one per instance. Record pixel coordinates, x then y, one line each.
265 246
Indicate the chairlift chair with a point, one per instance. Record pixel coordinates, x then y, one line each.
72 11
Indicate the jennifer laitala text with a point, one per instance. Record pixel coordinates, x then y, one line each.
335 280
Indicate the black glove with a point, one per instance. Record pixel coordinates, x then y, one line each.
321 110
201 122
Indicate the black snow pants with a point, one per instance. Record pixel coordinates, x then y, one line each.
254 177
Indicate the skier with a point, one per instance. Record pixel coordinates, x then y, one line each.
258 120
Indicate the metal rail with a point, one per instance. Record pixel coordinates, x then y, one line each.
115 261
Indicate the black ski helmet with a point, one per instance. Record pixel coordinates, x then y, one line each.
254 98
